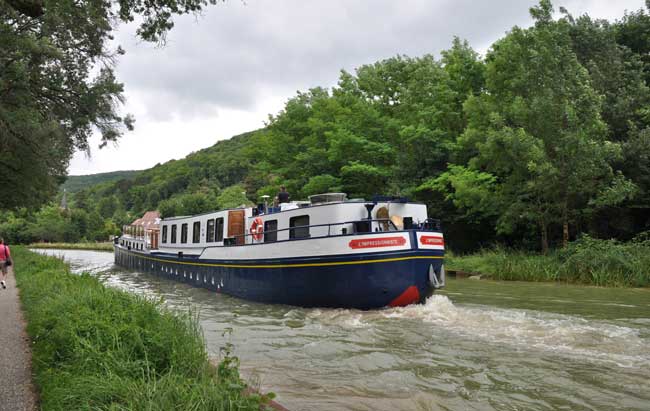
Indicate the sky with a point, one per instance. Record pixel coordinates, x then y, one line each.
222 73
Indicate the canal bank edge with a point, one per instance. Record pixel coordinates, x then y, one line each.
102 246
588 261
94 346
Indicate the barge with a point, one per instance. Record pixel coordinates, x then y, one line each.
325 252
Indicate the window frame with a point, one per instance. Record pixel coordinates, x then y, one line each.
218 232
163 238
196 232
293 230
210 230
270 235
184 228
174 233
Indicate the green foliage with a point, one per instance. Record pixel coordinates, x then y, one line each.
107 246
188 204
232 197
469 190
363 179
107 206
52 224
539 132
607 262
323 183
58 85
633 31
585 261
101 348
500 263
550 131
74 184
49 225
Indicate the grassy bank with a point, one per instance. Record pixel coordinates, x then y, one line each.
100 348
585 261
107 246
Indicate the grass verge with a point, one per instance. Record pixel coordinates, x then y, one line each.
107 246
98 348
585 261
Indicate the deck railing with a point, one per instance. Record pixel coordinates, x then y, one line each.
358 226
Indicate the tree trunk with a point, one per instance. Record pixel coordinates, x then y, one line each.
544 231
565 229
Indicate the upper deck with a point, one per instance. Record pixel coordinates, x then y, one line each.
318 218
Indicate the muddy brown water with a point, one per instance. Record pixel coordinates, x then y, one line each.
478 345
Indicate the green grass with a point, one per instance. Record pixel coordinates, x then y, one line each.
105 246
98 348
585 261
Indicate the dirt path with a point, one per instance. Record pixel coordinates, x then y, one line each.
16 389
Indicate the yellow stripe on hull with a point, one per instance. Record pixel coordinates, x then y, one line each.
383 260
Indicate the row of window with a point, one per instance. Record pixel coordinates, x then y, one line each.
215 232
215 229
133 245
298 228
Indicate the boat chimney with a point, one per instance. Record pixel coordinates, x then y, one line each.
369 207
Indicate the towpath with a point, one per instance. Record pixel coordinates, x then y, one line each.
16 389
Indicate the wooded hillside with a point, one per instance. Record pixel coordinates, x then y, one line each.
77 183
545 138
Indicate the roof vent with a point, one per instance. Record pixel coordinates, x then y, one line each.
327 198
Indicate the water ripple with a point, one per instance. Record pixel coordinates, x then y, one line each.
484 346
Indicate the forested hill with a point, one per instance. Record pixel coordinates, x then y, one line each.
544 139
76 183
204 180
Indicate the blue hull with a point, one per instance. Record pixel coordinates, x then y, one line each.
361 281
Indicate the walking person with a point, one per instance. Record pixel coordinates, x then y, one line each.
5 261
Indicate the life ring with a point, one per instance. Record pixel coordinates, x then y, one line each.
257 229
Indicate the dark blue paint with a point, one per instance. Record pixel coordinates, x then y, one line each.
364 286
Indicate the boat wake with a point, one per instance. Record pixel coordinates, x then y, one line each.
527 329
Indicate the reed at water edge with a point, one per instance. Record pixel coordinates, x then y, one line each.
585 261
96 347
103 246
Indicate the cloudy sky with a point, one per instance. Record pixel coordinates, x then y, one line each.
223 73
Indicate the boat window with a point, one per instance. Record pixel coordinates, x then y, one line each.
301 223
196 232
183 233
174 229
164 234
270 233
219 229
210 234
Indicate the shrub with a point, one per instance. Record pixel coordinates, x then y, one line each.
586 261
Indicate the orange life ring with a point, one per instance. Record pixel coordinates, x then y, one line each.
257 229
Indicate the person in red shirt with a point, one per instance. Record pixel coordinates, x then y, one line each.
5 261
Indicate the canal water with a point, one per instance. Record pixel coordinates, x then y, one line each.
478 345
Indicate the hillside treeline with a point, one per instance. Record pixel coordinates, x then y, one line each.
543 139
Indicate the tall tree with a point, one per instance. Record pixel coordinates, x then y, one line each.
615 61
57 84
537 129
633 31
